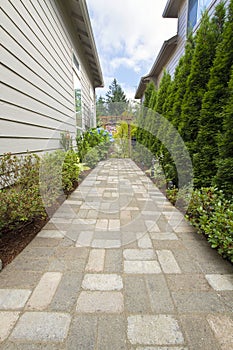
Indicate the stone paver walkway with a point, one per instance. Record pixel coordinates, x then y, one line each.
117 267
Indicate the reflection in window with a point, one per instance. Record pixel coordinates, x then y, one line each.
77 94
195 11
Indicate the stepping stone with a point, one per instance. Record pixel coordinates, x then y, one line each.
154 330
42 327
220 282
139 254
13 299
102 282
141 267
44 291
167 261
7 322
100 302
96 260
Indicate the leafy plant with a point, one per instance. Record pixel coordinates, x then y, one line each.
212 214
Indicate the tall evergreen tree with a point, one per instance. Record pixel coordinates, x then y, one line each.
214 100
163 92
224 177
116 99
183 72
197 81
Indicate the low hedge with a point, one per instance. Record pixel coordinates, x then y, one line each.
29 184
212 214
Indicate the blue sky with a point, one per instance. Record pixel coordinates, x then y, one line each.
128 35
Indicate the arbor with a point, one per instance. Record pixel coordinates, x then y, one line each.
115 99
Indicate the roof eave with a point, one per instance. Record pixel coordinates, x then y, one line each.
171 9
166 50
84 29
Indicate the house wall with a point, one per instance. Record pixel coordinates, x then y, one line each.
182 33
37 76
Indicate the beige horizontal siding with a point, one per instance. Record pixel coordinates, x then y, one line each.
37 79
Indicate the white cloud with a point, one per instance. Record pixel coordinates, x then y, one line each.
129 33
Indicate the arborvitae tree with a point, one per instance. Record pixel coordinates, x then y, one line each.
163 92
183 71
150 88
224 177
197 81
116 99
214 100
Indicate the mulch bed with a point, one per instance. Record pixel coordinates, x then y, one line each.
12 242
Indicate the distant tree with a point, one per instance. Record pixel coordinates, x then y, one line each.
116 99
101 107
215 98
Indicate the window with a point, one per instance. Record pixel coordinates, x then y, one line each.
77 93
195 10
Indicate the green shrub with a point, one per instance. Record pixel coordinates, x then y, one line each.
212 214
70 170
92 158
19 195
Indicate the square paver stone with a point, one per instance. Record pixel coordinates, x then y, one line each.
141 267
220 282
102 282
7 322
13 299
92 302
154 330
222 327
139 254
42 326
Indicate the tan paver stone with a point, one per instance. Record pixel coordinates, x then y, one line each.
7 322
161 348
42 326
220 282
101 224
154 330
141 267
100 302
102 282
139 254
51 234
161 236
44 291
222 327
145 242
167 261
13 299
114 224
106 243
96 260
84 239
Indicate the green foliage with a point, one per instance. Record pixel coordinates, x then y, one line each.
163 92
116 99
19 195
70 170
92 158
197 81
97 139
212 215
30 184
